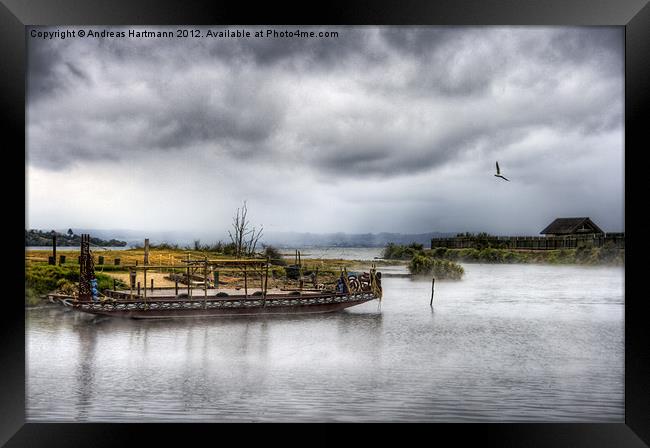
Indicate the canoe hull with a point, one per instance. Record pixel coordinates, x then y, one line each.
175 309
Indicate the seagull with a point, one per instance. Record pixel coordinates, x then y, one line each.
498 174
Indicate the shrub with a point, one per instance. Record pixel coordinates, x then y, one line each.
439 252
394 251
278 272
229 249
441 269
43 278
610 254
274 256
164 246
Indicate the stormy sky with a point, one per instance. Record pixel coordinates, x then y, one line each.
381 129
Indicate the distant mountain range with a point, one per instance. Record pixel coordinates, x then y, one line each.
291 239
278 239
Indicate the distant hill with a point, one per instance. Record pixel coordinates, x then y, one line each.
290 239
278 239
35 237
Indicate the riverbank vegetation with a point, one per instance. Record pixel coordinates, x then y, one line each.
42 279
423 262
606 255
439 268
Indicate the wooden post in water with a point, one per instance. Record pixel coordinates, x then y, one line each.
433 282
145 283
152 287
176 286
114 287
138 290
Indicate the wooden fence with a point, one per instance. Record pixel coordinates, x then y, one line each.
616 240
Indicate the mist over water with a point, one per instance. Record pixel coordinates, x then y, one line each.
507 343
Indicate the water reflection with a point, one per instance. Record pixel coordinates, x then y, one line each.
542 345
87 337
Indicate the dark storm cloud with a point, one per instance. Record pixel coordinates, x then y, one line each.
373 102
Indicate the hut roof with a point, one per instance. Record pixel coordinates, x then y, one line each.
565 226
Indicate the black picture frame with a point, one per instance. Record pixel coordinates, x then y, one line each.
634 15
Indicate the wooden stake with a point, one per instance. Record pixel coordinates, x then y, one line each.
433 282
205 284
266 281
245 282
189 291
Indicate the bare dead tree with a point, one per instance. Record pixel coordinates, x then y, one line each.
243 236
254 238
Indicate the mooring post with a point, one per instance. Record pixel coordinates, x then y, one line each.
114 285
152 286
189 291
433 282
205 283
138 290
176 286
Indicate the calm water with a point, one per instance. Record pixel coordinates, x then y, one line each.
335 253
507 343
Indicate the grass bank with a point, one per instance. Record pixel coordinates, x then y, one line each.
42 279
606 255
581 256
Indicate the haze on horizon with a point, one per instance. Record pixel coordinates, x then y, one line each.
382 129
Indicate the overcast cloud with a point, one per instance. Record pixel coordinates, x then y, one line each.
381 129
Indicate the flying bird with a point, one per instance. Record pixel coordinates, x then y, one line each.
498 174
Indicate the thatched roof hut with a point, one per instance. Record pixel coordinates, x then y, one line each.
571 226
